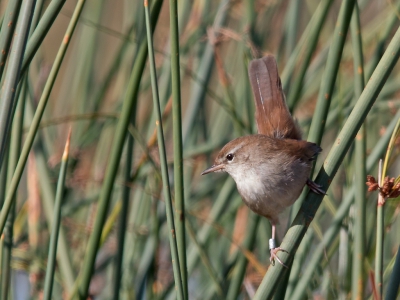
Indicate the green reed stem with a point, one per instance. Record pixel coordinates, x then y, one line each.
178 148
51 260
379 238
123 218
360 173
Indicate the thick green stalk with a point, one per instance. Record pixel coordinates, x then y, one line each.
112 167
331 165
178 148
51 260
38 115
179 273
360 173
12 75
330 73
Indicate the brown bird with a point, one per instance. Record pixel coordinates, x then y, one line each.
270 168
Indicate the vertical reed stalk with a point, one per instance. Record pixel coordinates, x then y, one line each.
379 238
176 259
123 218
359 165
51 260
178 148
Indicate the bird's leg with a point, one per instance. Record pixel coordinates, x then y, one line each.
274 250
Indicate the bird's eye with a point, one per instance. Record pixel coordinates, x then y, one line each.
229 156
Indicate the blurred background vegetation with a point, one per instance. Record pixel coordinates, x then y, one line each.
113 205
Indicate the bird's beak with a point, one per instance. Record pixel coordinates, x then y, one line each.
213 168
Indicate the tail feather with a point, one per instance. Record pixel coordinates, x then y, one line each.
272 115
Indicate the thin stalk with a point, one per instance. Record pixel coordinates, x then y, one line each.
331 165
379 238
123 219
7 31
360 167
38 115
176 258
330 73
51 260
177 137
113 164
12 75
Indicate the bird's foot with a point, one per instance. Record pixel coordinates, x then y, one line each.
316 188
273 250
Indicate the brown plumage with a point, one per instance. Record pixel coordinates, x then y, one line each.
270 168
